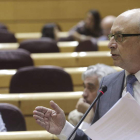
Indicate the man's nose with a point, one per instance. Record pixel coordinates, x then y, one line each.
112 43
85 93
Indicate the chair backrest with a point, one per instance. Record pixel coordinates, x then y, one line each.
42 45
12 117
88 45
14 59
7 37
41 79
3 26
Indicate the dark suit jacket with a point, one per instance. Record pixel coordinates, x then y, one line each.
115 84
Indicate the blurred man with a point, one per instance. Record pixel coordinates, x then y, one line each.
106 25
91 79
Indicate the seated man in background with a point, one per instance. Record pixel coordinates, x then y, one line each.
91 78
106 25
2 125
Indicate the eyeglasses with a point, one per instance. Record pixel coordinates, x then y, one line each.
119 37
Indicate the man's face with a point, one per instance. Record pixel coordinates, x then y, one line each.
126 54
89 21
91 86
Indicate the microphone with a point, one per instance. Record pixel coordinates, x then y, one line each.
101 91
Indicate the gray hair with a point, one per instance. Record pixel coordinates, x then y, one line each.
100 70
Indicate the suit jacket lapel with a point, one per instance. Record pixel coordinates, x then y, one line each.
117 88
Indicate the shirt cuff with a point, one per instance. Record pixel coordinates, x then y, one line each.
84 125
66 131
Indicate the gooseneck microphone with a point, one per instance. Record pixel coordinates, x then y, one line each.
101 91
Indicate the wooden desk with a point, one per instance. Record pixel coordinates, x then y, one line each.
75 59
24 36
28 135
68 46
27 103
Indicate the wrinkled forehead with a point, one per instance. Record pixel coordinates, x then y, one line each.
127 22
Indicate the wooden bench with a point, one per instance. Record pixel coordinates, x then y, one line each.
24 36
28 135
75 73
27 103
75 59
68 46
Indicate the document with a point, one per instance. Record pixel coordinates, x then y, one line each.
121 122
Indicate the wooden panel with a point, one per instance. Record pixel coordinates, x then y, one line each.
11 99
28 135
81 59
31 15
54 9
63 99
6 10
31 123
65 60
5 76
4 90
92 58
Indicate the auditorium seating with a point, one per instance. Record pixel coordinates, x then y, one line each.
40 79
42 45
27 103
88 45
14 59
63 46
75 73
7 37
12 117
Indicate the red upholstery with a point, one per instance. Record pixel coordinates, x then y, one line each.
12 117
88 45
14 59
41 79
7 37
41 45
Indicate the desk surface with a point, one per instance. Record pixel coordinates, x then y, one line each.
27 135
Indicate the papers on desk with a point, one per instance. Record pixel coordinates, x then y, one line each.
121 122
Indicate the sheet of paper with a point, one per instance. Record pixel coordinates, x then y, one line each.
121 122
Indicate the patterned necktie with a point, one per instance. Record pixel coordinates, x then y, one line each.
130 80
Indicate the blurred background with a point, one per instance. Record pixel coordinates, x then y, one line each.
30 15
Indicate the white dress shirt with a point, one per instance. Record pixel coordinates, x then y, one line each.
68 128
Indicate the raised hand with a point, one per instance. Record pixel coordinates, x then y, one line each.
52 120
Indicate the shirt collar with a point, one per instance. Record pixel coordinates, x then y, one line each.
137 75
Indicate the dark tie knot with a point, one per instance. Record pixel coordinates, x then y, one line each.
131 79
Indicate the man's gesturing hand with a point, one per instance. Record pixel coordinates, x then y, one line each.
52 120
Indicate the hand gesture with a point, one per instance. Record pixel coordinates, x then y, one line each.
52 120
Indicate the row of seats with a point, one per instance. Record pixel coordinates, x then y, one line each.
69 46
75 74
14 59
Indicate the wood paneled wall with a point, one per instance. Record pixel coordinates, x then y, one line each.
31 15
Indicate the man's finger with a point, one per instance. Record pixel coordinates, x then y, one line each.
55 107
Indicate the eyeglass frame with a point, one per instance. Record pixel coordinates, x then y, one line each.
122 35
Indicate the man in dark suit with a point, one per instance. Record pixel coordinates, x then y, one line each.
125 50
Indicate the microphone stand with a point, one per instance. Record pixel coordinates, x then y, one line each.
101 92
